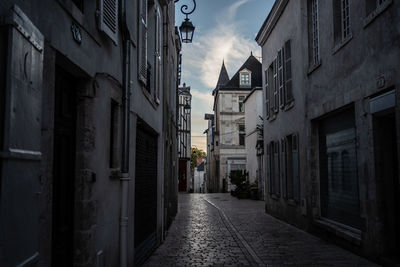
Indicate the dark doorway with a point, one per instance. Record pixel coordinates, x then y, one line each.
338 169
145 192
387 179
182 176
64 168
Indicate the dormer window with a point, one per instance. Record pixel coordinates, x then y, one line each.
245 78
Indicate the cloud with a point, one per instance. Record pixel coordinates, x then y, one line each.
225 42
206 98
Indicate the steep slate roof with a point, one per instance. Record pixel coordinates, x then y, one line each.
223 76
222 79
253 65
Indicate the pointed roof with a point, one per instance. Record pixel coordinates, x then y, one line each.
223 76
252 64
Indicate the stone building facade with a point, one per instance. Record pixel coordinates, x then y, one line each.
331 120
253 142
86 120
229 119
184 140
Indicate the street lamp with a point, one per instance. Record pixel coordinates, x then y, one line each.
187 28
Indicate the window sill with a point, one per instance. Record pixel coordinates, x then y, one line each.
272 117
149 97
289 106
346 232
313 67
342 44
371 17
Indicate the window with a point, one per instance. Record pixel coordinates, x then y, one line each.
242 135
241 104
273 170
281 79
313 29
275 88
341 20
338 169
276 168
288 73
245 78
266 91
283 167
142 57
157 55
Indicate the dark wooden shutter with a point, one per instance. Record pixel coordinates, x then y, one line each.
142 57
267 88
109 18
20 150
296 171
276 97
283 166
288 73
269 177
281 81
276 169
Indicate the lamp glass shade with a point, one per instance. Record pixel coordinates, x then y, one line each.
187 31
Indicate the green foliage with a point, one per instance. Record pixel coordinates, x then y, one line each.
194 155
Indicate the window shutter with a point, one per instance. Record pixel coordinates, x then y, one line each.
157 55
295 160
281 79
142 58
283 166
267 108
276 168
288 72
108 21
269 178
276 99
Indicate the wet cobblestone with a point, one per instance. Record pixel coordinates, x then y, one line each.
239 233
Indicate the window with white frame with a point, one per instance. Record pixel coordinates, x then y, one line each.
142 49
157 55
245 78
314 32
341 21
345 8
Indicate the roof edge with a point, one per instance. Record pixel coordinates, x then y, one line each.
270 22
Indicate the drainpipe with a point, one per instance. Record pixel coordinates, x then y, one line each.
124 177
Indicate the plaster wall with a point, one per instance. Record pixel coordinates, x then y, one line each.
285 122
253 109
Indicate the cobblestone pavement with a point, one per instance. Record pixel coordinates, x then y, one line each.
219 230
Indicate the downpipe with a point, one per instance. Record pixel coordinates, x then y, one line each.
125 177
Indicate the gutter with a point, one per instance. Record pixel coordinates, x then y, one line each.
124 175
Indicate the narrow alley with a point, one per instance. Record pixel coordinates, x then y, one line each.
220 230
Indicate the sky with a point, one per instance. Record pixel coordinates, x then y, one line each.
225 31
